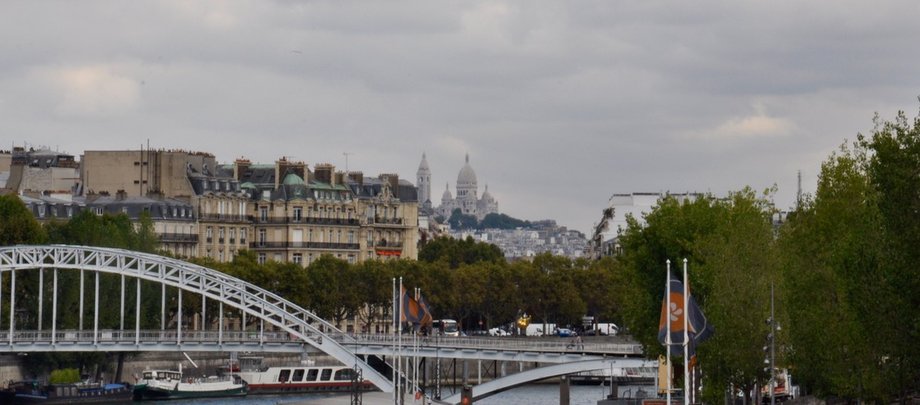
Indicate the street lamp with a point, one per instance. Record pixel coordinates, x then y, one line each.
771 337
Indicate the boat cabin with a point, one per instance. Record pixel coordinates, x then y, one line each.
162 375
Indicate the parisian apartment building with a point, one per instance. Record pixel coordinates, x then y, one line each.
285 211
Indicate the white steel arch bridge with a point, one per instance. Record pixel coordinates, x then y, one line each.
295 327
302 325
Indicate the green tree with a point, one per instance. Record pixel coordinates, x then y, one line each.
17 224
469 281
459 220
672 231
597 284
893 168
65 376
729 246
825 244
737 263
460 251
330 282
502 221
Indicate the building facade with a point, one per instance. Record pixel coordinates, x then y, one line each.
282 211
299 215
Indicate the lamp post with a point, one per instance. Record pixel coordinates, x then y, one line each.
771 362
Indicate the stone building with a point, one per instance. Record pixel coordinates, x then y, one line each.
299 215
40 171
217 204
281 211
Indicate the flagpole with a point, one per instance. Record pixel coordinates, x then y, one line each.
418 296
686 338
667 322
395 317
399 341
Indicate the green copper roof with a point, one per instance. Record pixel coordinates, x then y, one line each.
247 185
292 179
326 186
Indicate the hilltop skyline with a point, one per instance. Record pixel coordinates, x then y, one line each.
558 104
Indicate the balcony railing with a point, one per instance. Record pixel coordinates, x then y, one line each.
236 218
387 245
385 221
305 245
307 220
178 237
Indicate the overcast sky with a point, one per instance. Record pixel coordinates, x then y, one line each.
559 103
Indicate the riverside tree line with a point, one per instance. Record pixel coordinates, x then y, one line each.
844 264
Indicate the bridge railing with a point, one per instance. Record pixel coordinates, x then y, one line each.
506 343
147 337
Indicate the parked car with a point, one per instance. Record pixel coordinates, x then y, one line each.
565 332
592 332
498 332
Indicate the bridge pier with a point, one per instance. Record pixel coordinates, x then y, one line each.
564 390
479 371
466 372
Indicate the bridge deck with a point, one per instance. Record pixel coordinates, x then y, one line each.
512 349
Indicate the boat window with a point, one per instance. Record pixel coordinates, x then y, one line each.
344 374
284 375
311 375
327 372
298 375
148 375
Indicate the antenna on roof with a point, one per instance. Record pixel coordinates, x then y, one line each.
346 159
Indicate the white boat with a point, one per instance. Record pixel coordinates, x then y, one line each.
171 384
273 380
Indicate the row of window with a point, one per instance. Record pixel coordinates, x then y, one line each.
297 235
318 195
223 231
298 258
297 213
220 185
223 207
54 211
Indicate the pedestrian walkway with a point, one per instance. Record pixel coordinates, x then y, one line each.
369 398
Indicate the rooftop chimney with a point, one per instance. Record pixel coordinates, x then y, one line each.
323 172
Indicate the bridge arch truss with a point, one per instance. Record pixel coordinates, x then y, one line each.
513 380
211 284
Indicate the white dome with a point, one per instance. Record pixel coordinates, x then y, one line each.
486 196
446 196
467 176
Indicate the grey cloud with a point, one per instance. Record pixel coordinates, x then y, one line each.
559 104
